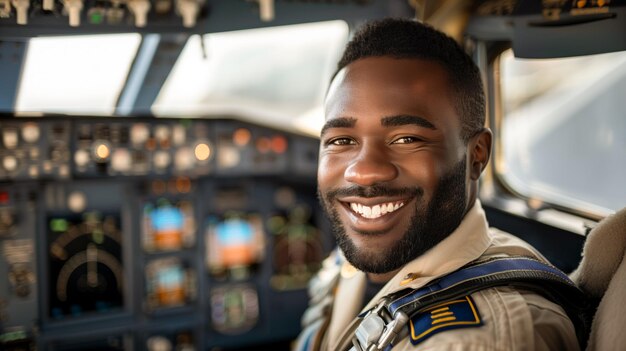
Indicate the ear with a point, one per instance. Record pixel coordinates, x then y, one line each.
479 147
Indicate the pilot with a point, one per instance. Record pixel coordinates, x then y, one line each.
417 267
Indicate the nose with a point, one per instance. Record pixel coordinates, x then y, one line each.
371 166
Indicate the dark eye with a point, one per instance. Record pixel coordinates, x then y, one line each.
340 141
406 140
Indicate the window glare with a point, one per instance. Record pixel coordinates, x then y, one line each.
92 70
563 132
277 75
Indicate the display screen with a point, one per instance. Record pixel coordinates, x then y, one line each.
170 282
235 243
168 225
85 265
298 251
234 309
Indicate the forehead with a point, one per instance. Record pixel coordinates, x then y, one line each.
384 86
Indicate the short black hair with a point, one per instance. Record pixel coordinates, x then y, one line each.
403 38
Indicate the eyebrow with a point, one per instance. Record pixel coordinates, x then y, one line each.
401 120
342 122
390 121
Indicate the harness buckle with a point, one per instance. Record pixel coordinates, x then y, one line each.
378 329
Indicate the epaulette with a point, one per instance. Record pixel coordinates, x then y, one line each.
454 314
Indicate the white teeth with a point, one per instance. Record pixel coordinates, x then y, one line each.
367 211
375 211
354 207
390 208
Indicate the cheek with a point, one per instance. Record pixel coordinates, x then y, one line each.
424 171
329 171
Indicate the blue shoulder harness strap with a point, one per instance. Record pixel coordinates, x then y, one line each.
520 272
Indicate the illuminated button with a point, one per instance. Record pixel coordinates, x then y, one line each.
121 160
101 150
64 171
9 163
241 137
33 171
159 343
139 133
279 144
96 15
77 201
81 157
184 159
161 159
161 133
202 152
30 132
228 157
47 166
9 138
179 135
4 199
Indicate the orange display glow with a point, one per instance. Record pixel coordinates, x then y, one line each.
241 137
279 144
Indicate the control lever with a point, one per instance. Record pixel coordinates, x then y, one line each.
140 9
21 6
73 8
188 9
48 5
266 10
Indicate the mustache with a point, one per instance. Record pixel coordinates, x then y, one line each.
374 191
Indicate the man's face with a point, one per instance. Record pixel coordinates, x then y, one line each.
392 174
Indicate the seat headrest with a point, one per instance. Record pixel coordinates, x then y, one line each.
604 250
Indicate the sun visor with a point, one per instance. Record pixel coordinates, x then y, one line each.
556 28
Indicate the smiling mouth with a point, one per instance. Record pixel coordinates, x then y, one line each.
375 211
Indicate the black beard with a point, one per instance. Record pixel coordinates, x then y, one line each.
431 223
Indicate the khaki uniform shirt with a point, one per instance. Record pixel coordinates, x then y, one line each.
511 319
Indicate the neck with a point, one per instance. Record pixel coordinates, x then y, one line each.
382 277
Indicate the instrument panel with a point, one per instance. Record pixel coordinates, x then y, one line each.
155 234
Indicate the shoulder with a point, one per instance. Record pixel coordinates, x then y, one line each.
499 318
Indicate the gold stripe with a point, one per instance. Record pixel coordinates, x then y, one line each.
476 318
440 310
426 332
440 315
441 320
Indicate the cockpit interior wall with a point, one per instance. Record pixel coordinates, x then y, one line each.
155 234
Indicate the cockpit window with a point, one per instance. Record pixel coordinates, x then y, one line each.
563 130
274 75
75 74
